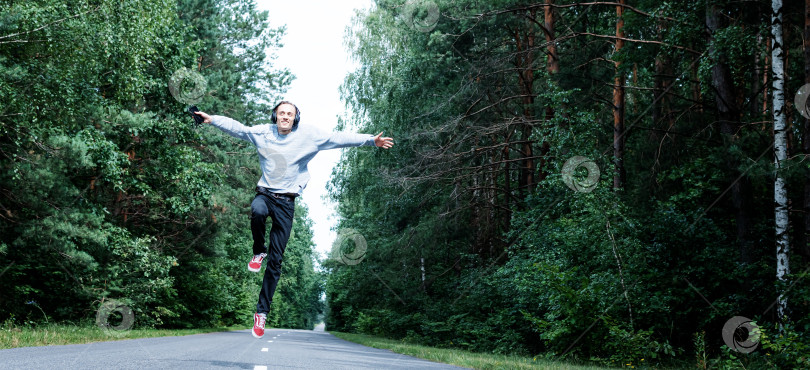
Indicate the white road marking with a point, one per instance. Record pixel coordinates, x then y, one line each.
257 367
269 341
264 349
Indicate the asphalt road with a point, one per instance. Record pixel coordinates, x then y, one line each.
278 349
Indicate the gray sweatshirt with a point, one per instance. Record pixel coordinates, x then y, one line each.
284 158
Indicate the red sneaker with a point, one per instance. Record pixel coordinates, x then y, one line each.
255 263
258 325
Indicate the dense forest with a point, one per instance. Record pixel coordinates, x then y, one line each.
619 182
108 193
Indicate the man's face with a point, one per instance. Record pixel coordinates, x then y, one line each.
285 115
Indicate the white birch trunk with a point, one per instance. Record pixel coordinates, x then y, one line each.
780 155
422 260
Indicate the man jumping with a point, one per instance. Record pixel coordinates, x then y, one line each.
284 150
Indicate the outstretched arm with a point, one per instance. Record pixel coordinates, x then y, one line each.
335 140
230 126
383 142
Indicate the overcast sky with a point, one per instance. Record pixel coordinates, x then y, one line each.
315 53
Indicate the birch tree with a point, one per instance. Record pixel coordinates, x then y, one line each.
780 153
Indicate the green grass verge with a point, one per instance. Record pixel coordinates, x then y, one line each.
56 334
459 357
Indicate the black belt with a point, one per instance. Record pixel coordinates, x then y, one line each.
265 191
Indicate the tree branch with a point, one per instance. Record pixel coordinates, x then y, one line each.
47 25
639 41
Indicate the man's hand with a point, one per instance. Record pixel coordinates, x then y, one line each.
383 142
206 118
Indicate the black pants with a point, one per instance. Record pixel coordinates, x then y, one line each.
280 209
